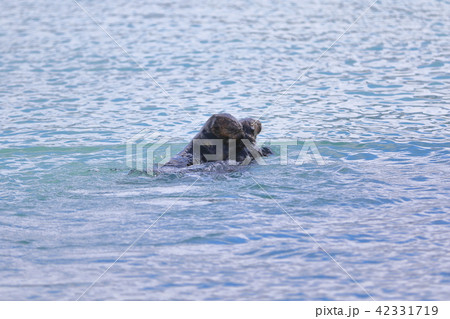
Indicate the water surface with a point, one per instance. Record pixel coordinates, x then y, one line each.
376 105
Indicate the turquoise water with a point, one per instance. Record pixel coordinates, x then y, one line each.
376 105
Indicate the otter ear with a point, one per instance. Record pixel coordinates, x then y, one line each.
225 125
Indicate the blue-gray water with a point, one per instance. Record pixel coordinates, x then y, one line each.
376 105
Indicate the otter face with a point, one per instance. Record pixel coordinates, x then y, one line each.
251 128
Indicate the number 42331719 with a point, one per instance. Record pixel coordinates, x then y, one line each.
407 310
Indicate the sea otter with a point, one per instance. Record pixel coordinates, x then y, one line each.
222 138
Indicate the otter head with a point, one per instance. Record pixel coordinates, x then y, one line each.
251 128
225 126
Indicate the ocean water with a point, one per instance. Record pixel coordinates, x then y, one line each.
372 222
